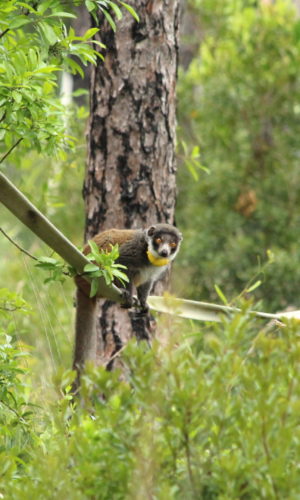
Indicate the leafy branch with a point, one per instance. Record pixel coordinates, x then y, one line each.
103 264
37 47
11 302
56 268
105 6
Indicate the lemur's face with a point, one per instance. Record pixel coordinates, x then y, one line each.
164 241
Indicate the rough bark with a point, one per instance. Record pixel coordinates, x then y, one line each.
130 179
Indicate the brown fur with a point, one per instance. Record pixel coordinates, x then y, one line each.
111 237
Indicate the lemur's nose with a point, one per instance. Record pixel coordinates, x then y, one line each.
164 253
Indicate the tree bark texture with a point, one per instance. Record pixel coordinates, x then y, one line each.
130 179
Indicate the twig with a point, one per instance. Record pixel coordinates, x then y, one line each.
186 444
4 32
18 246
116 354
268 455
10 309
11 149
26 13
22 421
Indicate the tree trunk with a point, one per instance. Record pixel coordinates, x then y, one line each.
130 179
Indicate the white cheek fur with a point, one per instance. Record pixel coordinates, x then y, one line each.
152 250
171 256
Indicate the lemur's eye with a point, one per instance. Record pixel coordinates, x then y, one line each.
158 241
173 244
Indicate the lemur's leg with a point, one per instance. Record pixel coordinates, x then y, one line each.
142 293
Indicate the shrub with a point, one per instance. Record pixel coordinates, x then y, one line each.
209 415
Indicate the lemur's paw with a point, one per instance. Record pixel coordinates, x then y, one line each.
143 308
127 300
135 301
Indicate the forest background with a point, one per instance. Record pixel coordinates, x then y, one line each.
179 433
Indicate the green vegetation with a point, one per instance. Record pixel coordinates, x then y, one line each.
103 264
239 101
211 411
213 415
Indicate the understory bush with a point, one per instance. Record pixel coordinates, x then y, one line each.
209 412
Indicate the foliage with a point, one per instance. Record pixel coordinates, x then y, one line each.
103 265
56 268
105 6
36 45
53 184
239 101
211 414
16 411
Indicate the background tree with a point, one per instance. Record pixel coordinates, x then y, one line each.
239 104
130 179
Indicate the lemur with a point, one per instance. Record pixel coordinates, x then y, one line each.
146 253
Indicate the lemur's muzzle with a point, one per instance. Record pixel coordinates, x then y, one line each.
164 250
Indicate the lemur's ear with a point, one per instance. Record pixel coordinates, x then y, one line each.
150 231
180 236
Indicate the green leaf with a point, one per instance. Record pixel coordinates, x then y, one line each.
254 286
110 19
47 69
102 45
89 268
221 294
90 5
94 287
94 247
80 92
27 6
195 152
62 14
120 275
74 67
17 96
48 32
19 21
116 10
48 260
90 33
119 265
131 11
107 277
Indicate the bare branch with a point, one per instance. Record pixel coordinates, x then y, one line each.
11 149
16 245
4 32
